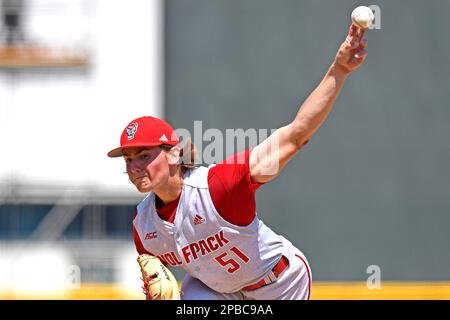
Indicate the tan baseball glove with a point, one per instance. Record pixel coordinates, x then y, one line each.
159 282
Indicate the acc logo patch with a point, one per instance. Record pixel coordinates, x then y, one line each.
131 130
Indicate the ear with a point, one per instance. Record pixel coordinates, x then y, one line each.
173 155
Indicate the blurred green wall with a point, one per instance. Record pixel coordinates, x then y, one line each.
373 185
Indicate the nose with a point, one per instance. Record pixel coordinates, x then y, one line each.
134 167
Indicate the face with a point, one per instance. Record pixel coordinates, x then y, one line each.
147 168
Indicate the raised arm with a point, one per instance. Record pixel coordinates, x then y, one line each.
270 156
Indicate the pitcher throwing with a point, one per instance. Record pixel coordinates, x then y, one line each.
203 219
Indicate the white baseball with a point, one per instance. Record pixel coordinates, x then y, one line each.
362 16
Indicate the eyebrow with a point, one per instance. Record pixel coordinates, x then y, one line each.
135 153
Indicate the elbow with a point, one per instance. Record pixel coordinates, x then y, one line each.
300 143
301 135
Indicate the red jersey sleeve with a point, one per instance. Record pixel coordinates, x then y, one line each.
232 189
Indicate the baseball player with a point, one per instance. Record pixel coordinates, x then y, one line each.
203 219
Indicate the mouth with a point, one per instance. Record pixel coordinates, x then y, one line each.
137 179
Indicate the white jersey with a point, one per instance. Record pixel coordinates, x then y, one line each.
222 255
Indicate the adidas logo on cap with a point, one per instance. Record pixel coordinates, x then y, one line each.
163 138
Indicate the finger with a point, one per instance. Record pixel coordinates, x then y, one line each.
361 33
360 55
354 45
352 31
363 43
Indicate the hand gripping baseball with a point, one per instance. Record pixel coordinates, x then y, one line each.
352 53
159 282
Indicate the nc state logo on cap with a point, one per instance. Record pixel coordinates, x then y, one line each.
131 130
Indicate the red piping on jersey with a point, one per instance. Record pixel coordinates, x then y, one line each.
309 275
137 240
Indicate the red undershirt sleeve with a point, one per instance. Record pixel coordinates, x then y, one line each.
232 189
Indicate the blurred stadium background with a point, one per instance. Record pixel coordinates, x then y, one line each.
371 189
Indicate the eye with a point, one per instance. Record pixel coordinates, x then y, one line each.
143 156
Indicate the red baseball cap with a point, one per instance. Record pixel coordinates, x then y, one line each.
145 132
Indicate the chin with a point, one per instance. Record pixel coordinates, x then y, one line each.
144 189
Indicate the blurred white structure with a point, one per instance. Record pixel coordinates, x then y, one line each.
57 126
128 273
35 270
56 270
